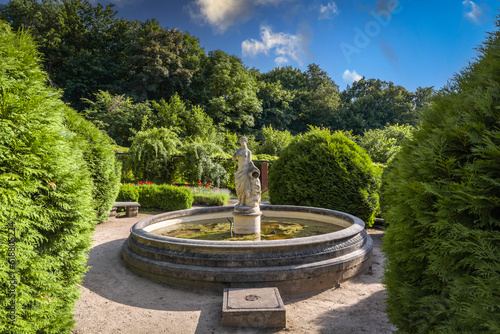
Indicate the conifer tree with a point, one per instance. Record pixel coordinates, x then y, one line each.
45 195
442 201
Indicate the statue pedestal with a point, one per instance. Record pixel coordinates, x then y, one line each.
246 220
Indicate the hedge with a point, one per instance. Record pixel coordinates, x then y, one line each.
47 218
164 197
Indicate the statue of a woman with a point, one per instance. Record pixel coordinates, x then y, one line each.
246 181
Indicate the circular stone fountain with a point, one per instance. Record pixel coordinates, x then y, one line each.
293 265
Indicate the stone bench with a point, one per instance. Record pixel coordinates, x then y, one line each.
132 208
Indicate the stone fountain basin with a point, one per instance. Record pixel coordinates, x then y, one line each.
293 265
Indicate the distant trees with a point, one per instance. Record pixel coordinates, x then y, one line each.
312 99
227 91
159 62
124 74
119 116
87 49
373 104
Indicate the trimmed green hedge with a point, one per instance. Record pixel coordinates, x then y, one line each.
128 193
322 169
441 199
164 197
46 220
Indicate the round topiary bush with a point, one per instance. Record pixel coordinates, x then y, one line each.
328 170
46 218
441 199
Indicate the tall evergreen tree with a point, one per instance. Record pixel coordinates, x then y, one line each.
47 218
442 202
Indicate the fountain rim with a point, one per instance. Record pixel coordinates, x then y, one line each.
357 225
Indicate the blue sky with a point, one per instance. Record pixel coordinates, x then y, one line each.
409 42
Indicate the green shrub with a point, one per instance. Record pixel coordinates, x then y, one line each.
128 193
104 169
382 144
46 221
152 155
442 201
164 197
326 170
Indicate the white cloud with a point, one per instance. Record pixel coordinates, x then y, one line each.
351 77
283 45
475 12
221 14
329 11
281 60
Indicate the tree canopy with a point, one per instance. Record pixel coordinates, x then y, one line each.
118 72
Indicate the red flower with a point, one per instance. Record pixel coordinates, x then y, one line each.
140 182
175 185
186 185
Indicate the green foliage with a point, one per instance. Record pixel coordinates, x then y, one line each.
152 155
382 144
199 163
442 199
274 141
104 169
312 99
46 221
374 104
81 43
326 170
88 49
276 106
164 197
160 62
186 122
119 116
128 193
206 195
228 90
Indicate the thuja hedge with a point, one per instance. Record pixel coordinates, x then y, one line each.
164 197
104 169
441 199
328 170
46 215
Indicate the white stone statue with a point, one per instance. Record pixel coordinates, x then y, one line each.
246 181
